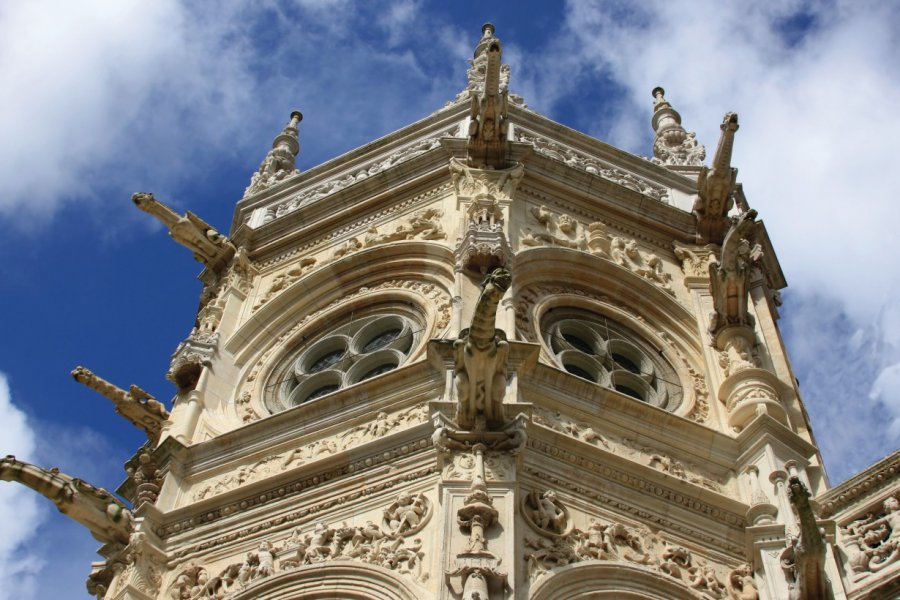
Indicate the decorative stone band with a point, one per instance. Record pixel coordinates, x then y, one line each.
751 392
291 489
643 486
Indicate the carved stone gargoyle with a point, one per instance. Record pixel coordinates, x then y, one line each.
715 186
142 409
729 275
804 561
480 360
107 518
487 147
209 246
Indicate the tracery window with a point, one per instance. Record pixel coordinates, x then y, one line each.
611 355
357 351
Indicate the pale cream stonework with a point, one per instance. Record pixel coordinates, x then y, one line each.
484 357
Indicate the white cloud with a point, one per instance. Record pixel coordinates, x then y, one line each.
20 511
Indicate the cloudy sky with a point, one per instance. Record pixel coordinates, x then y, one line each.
105 98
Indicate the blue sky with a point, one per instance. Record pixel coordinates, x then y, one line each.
102 99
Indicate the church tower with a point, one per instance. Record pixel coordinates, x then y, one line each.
484 357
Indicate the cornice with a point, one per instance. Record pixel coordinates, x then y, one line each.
874 480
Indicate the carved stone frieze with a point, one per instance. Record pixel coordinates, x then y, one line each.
631 480
616 541
593 166
365 543
562 230
872 543
302 514
383 424
423 225
625 447
311 195
555 230
285 279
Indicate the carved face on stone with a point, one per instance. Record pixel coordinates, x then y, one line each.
891 505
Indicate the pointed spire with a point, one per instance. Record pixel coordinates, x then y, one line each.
673 146
477 71
279 162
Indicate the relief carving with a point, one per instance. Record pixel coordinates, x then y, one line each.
407 515
729 275
545 512
285 279
423 225
872 543
619 542
694 260
593 166
332 186
383 424
557 230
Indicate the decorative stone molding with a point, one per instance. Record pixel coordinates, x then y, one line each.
135 571
619 542
751 392
593 166
875 481
556 230
382 425
285 279
872 544
641 486
424 225
562 230
331 186
354 468
367 543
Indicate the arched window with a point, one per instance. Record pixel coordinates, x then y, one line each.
359 350
609 354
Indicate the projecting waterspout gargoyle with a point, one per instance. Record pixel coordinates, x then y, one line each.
488 118
804 561
136 405
107 518
209 246
729 275
480 364
715 187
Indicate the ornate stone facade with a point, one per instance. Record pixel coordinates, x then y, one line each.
492 358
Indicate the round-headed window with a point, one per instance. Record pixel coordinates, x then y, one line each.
358 351
611 355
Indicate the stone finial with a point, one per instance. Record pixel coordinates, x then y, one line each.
477 73
673 145
279 162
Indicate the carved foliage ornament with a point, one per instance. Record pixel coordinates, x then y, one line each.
332 186
387 546
564 231
620 542
872 543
